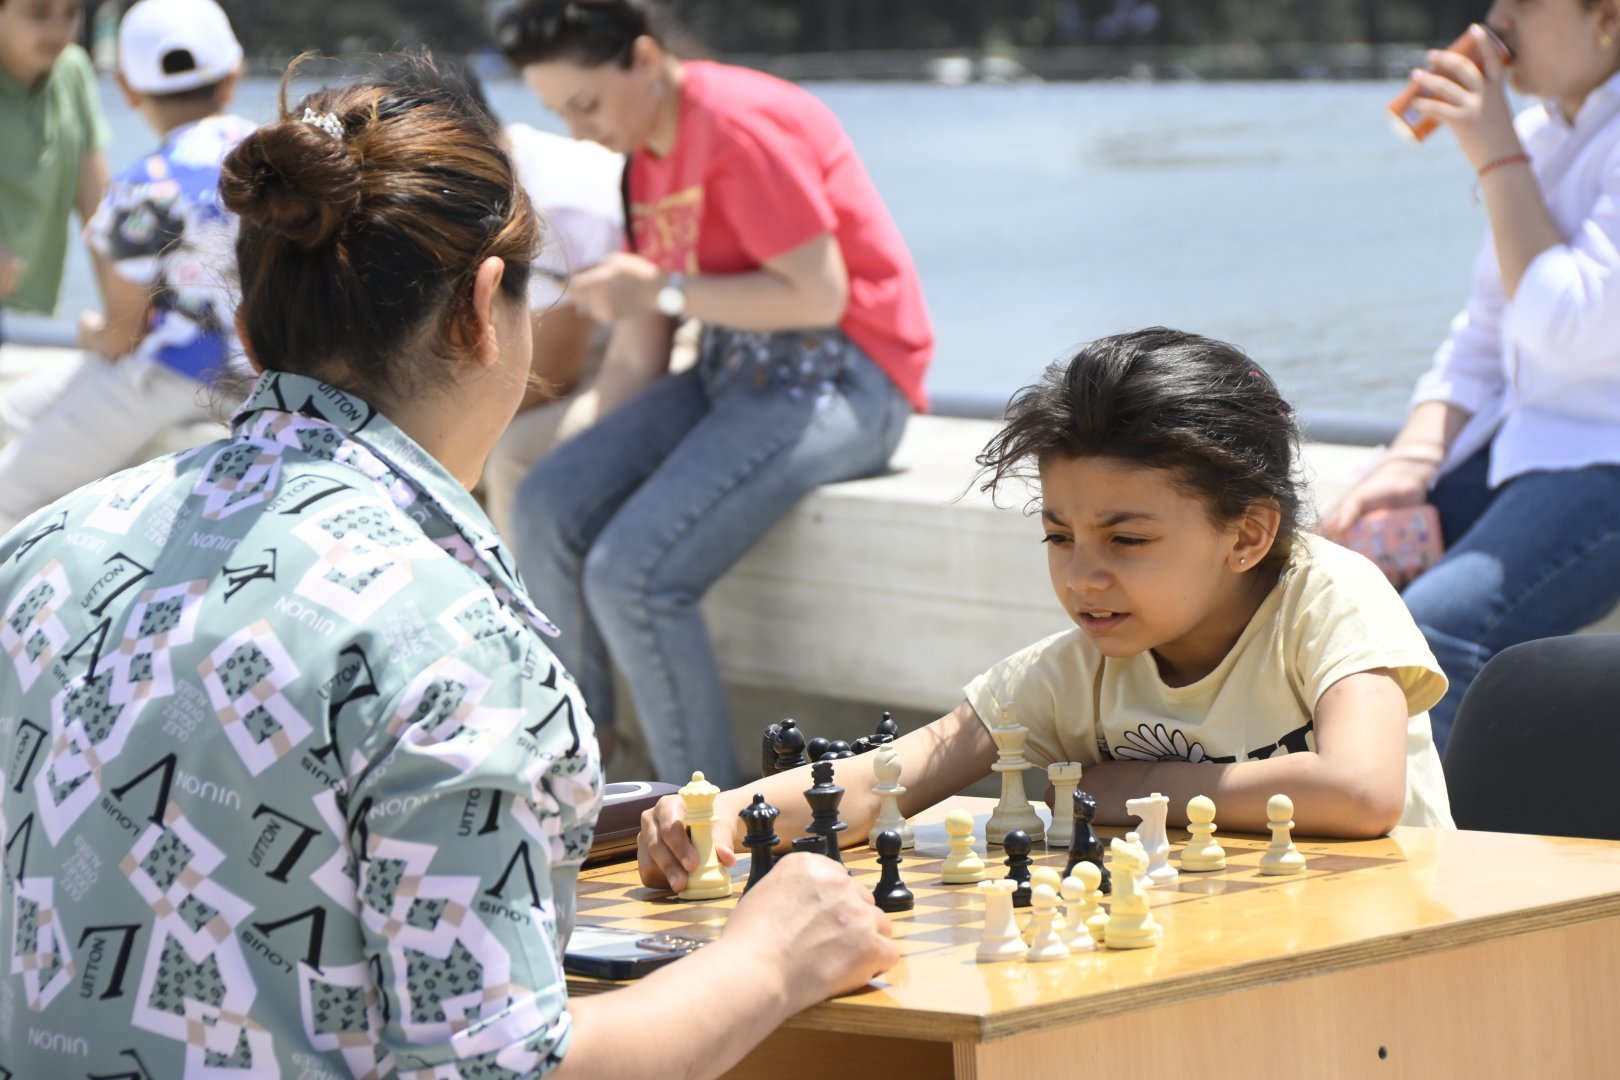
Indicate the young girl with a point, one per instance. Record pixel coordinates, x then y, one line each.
1217 649
1515 431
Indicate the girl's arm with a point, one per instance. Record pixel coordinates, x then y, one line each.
805 288
1354 785
936 762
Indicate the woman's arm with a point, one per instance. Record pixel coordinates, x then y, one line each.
804 288
1403 475
637 355
1354 785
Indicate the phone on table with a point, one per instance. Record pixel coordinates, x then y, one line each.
608 952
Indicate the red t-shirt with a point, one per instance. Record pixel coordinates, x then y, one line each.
760 167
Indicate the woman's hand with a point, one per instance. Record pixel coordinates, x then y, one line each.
620 285
1472 99
1393 482
665 856
11 268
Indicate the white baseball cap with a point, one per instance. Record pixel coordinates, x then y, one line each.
166 46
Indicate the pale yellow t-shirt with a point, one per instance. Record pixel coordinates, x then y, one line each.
1331 614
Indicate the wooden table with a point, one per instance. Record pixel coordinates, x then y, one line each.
1423 954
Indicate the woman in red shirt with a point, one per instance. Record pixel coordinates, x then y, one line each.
749 210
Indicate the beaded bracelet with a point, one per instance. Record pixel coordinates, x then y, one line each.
1510 159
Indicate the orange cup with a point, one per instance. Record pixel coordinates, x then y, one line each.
1408 123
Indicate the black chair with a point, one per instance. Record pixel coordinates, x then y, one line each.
1536 744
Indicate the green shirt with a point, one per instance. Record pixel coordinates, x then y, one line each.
290 784
45 132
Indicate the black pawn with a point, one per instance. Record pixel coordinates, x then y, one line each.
838 747
815 845
1016 844
1084 846
767 750
823 799
759 819
890 892
887 731
816 748
788 746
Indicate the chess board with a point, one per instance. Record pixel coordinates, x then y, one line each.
947 918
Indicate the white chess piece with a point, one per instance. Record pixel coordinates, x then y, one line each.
1143 882
1048 876
886 767
710 880
1065 777
1153 809
1013 811
1281 857
1001 939
1047 943
1130 920
1077 893
962 866
1202 853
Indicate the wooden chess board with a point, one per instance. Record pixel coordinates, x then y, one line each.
1378 947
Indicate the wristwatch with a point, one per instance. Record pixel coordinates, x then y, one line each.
671 299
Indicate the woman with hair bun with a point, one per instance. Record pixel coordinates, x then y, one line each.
304 790
748 209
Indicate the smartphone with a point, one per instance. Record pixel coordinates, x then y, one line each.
606 952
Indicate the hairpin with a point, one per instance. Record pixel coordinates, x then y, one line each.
327 122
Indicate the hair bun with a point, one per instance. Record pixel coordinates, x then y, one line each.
294 180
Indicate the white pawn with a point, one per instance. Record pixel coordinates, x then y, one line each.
1153 809
1130 922
710 880
1202 853
1048 876
1281 857
1001 939
886 767
1076 891
1065 777
962 866
1048 943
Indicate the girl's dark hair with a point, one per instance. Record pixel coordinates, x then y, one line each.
363 226
1165 399
589 33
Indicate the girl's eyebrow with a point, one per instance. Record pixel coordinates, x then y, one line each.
1109 518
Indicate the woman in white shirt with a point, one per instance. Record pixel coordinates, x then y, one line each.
1514 434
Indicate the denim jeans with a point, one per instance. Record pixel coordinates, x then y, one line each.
1537 557
620 531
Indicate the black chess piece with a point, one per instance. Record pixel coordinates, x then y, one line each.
1017 844
788 746
759 820
862 745
816 748
767 751
1084 846
886 732
838 747
823 799
890 892
815 845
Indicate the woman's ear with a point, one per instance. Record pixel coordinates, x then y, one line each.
479 338
1256 533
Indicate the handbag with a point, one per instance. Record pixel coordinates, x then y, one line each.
1402 541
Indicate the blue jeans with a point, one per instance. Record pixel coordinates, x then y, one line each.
1537 557
621 530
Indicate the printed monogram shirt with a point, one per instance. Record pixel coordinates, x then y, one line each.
292 785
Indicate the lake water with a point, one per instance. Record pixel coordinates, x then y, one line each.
1285 217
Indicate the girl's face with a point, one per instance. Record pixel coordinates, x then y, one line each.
1138 564
616 107
1557 46
33 34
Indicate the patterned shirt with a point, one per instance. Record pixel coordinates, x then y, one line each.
290 785
163 225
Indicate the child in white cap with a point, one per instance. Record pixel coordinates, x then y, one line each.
168 244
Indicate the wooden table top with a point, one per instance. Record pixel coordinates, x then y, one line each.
1415 892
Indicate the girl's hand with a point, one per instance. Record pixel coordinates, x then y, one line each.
665 856
621 284
1472 99
1393 482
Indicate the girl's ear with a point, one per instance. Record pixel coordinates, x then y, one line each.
1256 532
